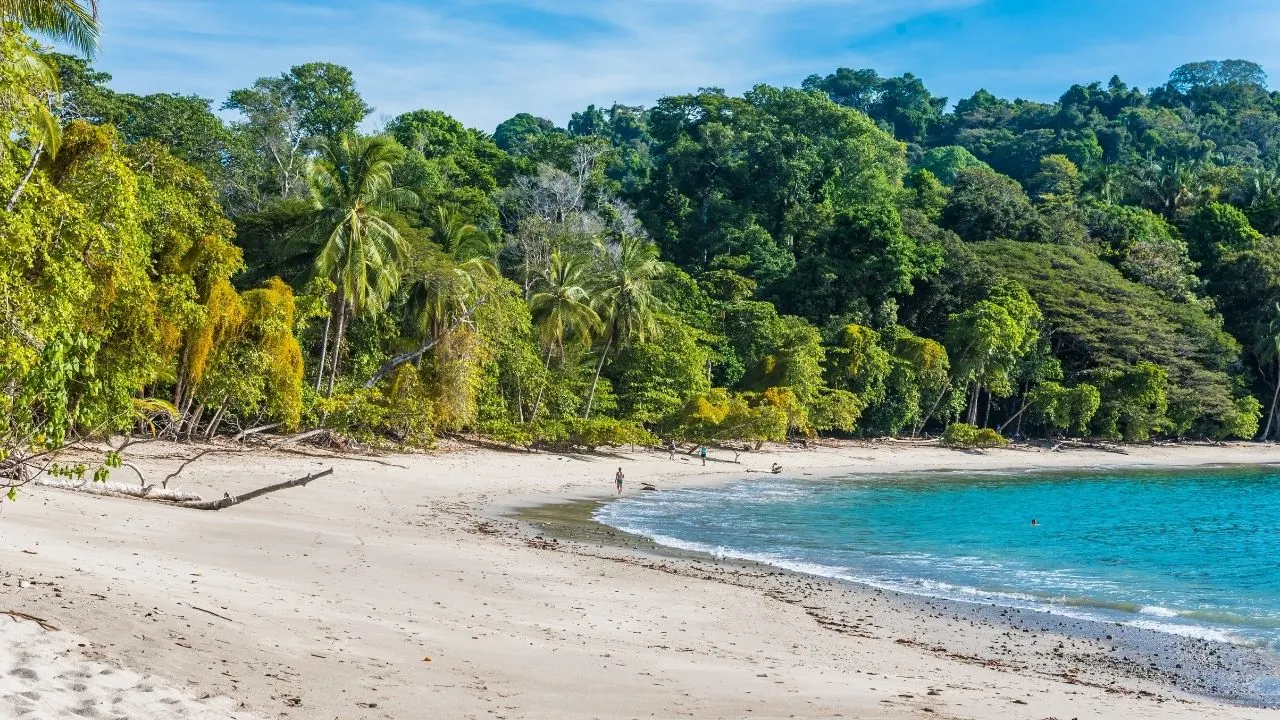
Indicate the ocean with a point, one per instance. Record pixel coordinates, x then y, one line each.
1190 552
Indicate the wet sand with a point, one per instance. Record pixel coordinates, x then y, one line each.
1100 654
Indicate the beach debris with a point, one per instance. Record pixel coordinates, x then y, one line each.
224 617
116 489
16 615
542 544
227 500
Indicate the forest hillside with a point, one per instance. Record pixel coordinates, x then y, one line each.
850 256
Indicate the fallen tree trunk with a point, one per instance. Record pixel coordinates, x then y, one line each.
227 501
114 489
297 438
252 431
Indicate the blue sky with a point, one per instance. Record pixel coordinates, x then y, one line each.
485 60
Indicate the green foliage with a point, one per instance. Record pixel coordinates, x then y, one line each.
849 256
721 415
961 435
987 206
946 163
653 380
858 363
1144 247
516 135
1101 323
988 340
1215 229
1134 402
1059 408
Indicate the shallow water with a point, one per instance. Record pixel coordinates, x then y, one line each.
1194 552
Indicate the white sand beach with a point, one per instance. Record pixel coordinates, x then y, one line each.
389 590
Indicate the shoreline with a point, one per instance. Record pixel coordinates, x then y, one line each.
1205 667
397 585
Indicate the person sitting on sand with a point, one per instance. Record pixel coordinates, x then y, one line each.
775 469
617 479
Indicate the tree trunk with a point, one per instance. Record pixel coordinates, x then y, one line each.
599 367
1017 416
538 401
520 399
195 421
946 386
216 421
1026 388
179 388
337 343
31 168
986 418
1266 433
228 500
972 417
324 346
183 416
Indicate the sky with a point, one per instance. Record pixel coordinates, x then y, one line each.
483 61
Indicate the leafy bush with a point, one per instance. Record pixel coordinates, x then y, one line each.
569 434
963 435
598 432
360 413
401 411
510 433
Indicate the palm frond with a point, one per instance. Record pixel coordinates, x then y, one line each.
67 21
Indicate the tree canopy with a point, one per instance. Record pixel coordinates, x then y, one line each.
848 256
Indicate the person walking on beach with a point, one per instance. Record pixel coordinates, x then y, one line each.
617 479
702 450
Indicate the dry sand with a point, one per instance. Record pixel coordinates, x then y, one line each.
384 592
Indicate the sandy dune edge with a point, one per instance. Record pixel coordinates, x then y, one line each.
372 595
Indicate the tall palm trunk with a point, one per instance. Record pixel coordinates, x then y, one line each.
972 418
599 367
324 346
1266 433
31 168
547 381
339 333
946 387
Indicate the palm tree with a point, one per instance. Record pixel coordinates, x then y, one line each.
64 20
1166 187
67 21
1105 182
444 284
627 302
563 311
457 237
361 252
1268 349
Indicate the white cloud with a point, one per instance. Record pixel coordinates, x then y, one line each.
416 54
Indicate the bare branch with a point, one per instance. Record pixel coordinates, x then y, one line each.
229 500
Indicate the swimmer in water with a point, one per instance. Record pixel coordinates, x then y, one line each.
1034 522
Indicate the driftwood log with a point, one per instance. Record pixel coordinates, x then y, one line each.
227 501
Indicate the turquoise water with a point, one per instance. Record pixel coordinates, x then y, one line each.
1191 552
